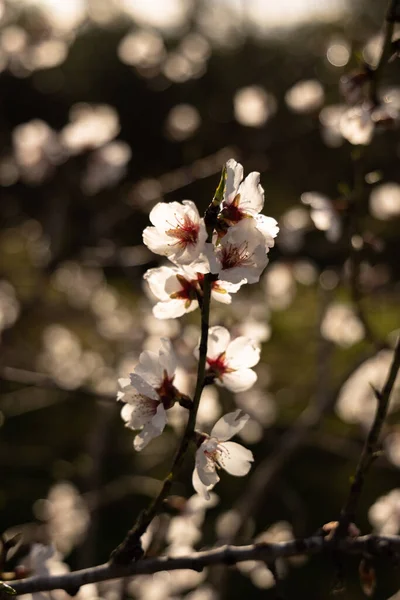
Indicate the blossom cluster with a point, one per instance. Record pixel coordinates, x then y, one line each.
234 251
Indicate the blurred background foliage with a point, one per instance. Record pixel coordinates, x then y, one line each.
109 106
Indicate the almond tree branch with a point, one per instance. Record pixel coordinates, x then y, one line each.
355 257
130 548
374 545
371 446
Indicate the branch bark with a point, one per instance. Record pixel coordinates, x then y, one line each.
372 544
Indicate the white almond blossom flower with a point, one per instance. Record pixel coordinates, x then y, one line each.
240 256
178 289
244 199
178 233
357 126
323 214
148 393
230 361
216 452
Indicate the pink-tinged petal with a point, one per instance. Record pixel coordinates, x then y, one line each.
251 194
173 309
229 425
235 458
218 340
167 357
268 227
242 353
140 386
234 175
240 380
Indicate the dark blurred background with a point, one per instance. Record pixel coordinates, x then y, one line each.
109 106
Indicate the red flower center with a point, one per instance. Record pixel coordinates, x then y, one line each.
218 367
167 391
234 256
187 291
186 233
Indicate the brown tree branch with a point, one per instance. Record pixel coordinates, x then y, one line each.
71 582
371 446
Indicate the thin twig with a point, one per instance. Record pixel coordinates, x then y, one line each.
391 17
130 548
42 380
265 474
197 561
371 446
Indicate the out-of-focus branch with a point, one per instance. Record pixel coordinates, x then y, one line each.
41 380
371 446
71 582
357 195
391 18
267 471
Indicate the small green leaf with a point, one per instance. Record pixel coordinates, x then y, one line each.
220 191
7 589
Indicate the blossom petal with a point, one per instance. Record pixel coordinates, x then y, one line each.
138 414
234 175
218 340
173 308
229 425
200 488
251 193
151 430
235 458
159 420
141 387
242 352
167 357
159 279
149 369
157 241
240 380
205 475
210 254
268 227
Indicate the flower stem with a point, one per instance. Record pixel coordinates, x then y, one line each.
130 549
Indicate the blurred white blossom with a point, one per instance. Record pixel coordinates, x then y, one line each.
341 326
